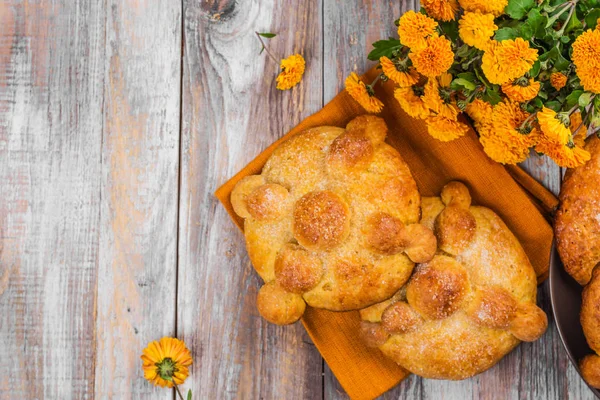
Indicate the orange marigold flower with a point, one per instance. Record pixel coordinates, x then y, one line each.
442 10
434 59
495 7
506 60
501 148
403 76
558 80
586 57
411 103
363 94
476 29
480 111
166 361
292 69
445 129
414 27
438 96
564 155
507 121
521 89
555 127
578 129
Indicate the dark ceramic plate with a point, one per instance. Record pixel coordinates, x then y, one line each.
565 295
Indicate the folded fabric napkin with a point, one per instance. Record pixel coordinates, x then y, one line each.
522 203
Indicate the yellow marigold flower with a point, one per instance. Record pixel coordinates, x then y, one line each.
495 7
555 127
434 59
445 129
506 60
411 103
558 80
476 29
521 89
414 27
564 155
292 69
501 148
480 111
442 10
403 76
586 57
578 129
507 121
363 94
438 99
166 361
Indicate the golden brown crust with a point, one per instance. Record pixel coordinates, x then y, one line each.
577 222
310 225
455 229
590 370
279 306
373 334
590 322
473 306
321 220
437 289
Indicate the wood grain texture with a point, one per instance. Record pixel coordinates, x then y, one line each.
139 192
231 112
51 79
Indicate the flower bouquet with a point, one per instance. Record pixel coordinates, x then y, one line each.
527 74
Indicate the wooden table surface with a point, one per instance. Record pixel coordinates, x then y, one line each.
118 120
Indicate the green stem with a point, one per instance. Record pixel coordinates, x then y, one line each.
177 388
266 49
559 33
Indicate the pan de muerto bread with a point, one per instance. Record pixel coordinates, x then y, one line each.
464 310
577 223
332 221
590 321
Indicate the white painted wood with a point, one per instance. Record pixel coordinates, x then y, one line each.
51 81
231 112
139 191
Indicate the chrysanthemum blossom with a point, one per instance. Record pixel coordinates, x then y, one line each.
476 29
507 60
362 94
402 76
445 129
521 89
292 69
509 121
558 80
435 58
586 57
166 361
495 7
553 125
441 10
411 103
414 27
567 155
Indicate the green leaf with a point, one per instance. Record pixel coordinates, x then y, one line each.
561 63
461 82
535 70
526 32
189 394
506 34
469 76
537 22
384 48
584 99
517 9
538 102
554 105
573 98
573 23
492 97
267 35
592 18
450 28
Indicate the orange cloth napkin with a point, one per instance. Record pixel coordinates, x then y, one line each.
522 203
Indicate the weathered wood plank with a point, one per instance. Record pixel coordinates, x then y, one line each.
231 112
51 79
139 190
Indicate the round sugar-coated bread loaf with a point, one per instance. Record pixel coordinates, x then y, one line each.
590 321
332 221
464 310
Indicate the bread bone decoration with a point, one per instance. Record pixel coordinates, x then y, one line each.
464 310
577 232
332 221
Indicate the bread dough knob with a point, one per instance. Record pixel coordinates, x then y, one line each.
279 306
